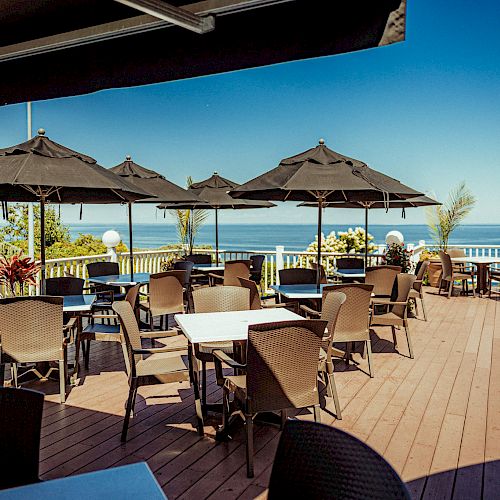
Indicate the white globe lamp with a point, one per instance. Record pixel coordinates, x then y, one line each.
111 239
394 237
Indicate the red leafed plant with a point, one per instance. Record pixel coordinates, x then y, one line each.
18 270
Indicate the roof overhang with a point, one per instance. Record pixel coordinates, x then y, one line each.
57 48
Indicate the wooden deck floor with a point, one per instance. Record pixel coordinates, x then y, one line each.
435 418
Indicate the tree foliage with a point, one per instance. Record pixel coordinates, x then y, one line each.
444 219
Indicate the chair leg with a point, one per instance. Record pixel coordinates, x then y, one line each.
474 288
62 380
423 306
204 385
128 411
369 355
394 338
13 370
2 374
331 390
283 419
249 429
450 288
87 355
408 339
317 413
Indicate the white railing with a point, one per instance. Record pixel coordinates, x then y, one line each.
150 261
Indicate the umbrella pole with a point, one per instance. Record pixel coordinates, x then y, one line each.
320 215
366 237
42 245
217 236
131 247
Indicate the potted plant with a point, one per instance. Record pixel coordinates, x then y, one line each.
18 271
443 220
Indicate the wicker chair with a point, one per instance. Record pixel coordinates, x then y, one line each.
64 286
278 375
417 291
297 276
105 268
322 273
216 299
102 332
33 332
257 262
20 426
398 310
187 267
163 363
232 270
316 461
493 275
349 263
449 275
382 278
165 297
200 259
255 302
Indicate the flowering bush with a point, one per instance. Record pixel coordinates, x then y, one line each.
350 241
16 271
398 255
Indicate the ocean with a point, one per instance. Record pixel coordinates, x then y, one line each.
293 237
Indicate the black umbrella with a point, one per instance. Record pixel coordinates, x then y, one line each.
149 181
418 201
213 195
321 175
40 170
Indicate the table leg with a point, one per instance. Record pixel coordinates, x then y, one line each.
193 375
482 279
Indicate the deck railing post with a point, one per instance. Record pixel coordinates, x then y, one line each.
280 264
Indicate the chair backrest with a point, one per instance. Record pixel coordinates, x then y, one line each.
447 266
257 261
64 286
32 328
382 278
422 269
349 263
187 266
165 292
103 268
20 426
200 258
255 302
221 299
131 296
456 252
322 274
330 309
130 331
319 461
280 375
405 284
235 268
353 319
297 276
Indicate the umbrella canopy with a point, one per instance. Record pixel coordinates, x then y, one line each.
418 201
151 182
41 170
97 45
321 175
212 194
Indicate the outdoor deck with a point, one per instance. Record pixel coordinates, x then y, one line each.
435 418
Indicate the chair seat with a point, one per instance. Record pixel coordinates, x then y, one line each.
387 319
238 385
209 347
163 363
414 294
461 276
160 312
102 332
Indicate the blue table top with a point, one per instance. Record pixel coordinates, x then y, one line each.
308 291
355 273
78 302
121 279
129 482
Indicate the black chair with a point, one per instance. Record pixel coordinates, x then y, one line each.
199 258
256 269
105 268
297 276
350 263
20 426
64 286
317 461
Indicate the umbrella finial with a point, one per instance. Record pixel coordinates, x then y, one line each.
128 157
41 131
216 173
321 141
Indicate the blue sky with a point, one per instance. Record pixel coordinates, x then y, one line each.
426 111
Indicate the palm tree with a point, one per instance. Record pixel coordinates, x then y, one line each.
188 224
444 219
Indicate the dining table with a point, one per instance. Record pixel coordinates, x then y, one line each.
349 274
78 303
124 280
300 292
482 263
228 326
131 481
